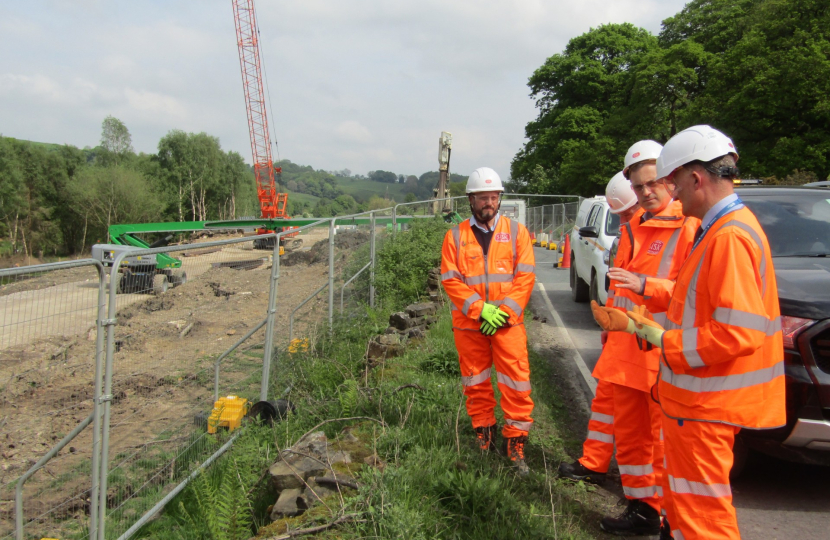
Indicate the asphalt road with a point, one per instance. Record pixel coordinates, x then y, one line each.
775 500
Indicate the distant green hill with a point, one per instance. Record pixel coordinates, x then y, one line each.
46 146
363 189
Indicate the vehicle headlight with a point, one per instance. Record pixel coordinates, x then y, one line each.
791 327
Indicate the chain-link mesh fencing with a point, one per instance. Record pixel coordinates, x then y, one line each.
203 318
49 344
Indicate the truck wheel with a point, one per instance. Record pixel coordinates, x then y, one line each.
123 286
579 289
178 278
594 288
159 284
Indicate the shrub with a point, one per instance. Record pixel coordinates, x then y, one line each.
404 262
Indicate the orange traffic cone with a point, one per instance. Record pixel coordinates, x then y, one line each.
566 253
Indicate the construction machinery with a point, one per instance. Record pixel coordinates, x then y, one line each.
273 205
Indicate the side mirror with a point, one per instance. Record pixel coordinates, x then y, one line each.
588 232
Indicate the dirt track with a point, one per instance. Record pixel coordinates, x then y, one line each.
161 377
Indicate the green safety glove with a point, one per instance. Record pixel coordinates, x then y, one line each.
645 327
494 315
488 329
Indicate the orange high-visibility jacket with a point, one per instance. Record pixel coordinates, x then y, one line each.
723 350
504 278
654 250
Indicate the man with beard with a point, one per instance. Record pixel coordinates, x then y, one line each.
488 271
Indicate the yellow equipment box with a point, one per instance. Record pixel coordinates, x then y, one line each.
544 244
551 245
227 412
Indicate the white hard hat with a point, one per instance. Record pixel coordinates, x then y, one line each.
697 143
641 151
619 194
484 179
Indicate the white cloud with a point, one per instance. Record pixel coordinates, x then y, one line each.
352 131
364 84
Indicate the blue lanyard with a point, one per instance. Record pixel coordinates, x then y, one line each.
737 204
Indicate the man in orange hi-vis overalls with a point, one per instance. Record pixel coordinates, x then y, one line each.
598 448
488 271
653 246
722 355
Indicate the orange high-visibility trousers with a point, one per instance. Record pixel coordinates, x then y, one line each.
598 447
507 350
637 423
698 497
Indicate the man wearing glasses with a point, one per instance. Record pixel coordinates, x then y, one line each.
488 271
722 355
653 246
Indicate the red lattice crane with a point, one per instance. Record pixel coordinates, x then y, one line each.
272 204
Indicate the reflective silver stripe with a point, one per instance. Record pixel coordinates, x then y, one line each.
453 308
473 380
514 237
689 347
681 485
625 303
636 470
526 268
524 426
519 386
475 280
639 493
475 297
689 309
749 230
451 274
512 304
611 294
668 254
744 319
456 236
677 534
499 278
725 382
659 491
601 437
602 418
660 318
671 325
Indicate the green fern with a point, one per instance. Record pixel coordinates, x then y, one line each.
223 509
348 396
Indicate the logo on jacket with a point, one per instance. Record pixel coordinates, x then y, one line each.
501 237
655 247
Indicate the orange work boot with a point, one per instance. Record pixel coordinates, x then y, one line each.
486 436
514 449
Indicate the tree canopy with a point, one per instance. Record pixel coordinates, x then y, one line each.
759 70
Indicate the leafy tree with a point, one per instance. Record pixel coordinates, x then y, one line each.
383 176
116 140
585 120
410 197
770 91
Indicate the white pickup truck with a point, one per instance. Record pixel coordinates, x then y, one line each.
591 240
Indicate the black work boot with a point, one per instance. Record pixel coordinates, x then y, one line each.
514 449
577 471
486 436
665 530
638 519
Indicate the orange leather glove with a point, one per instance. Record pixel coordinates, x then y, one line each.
611 320
645 327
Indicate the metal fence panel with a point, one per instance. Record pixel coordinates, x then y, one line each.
51 345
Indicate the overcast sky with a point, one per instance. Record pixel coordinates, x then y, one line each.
357 84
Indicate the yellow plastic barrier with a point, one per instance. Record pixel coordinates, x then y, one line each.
227 412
